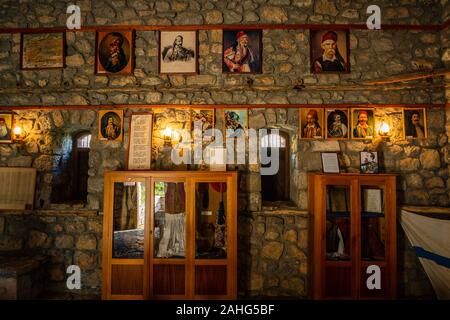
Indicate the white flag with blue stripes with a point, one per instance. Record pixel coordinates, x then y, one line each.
430 238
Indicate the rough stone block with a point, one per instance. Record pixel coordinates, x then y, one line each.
86 242
272 250
430 159
64 242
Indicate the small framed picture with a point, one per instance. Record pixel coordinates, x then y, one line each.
311 123
203 119
42 50
415 123
337 124
236 120
178 52
330 162
140 142
114 52
242 51
363 123
110 126
330 51
369 162
6 123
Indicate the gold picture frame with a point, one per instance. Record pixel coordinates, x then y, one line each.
359 131
310 131
110 125
337 128
410 130
40 50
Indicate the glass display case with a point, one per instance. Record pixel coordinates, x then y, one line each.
170 235
353 232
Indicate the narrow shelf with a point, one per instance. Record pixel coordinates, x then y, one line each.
367 214
345 214
338 214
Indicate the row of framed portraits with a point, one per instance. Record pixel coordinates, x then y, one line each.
315 123
178 51
356 123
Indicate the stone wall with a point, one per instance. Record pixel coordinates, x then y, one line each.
424 178
272 254
66 237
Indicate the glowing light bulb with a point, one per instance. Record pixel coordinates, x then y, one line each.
168 132
17 131
384 129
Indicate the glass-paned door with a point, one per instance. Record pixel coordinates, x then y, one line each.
338 241
128 225
372 242
169 226
211 238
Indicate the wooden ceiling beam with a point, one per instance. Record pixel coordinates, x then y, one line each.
409 77
291 26
226 106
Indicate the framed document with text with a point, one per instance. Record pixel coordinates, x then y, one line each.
140 143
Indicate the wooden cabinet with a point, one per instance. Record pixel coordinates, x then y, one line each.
170 235
352 236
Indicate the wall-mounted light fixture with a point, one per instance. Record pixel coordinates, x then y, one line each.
384 130
167 134
19 133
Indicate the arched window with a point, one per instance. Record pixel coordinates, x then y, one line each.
80 165
273 141
276 187
84 141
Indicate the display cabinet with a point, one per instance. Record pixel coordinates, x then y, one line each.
352 236
170 235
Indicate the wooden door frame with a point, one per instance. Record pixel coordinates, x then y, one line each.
190 178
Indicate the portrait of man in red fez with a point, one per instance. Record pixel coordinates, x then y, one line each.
329 51
311 123
6 120
242 51
363 123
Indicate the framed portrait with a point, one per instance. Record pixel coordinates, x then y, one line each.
242 51
311 123
202 118
330 162
236 119
363 123
110 126
338 199
337 121
373 201
114 52
330 51
414 123
369 162
42 50
140 142
6 127
178 52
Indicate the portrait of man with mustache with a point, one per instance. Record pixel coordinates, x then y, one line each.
331 59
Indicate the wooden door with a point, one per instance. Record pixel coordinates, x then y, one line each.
214 237
338 249
154 244
168 259
124 239
376 237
